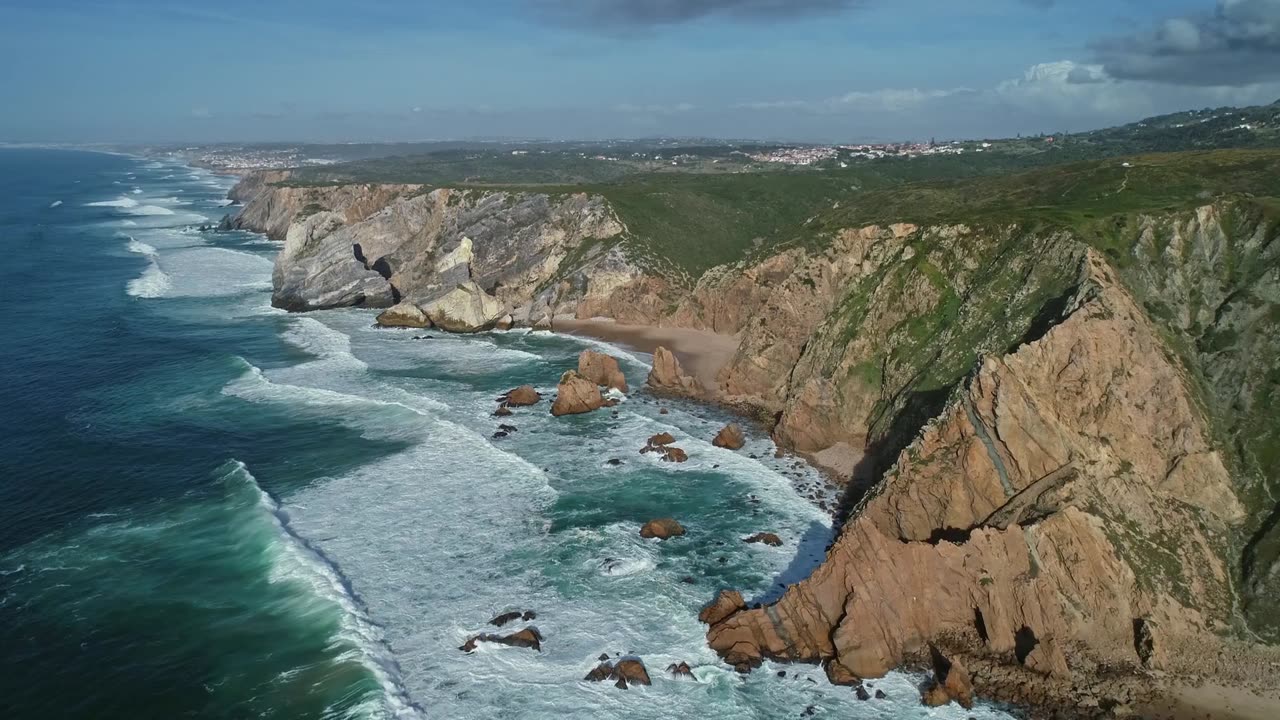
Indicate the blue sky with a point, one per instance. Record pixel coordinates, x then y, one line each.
149 71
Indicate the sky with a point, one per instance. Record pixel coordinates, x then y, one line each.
154 71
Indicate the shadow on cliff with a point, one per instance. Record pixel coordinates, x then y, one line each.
810 551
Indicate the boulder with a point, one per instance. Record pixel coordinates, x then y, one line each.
576 395
601 672
950 682
838 674
602 370
633 671
668 376
465 309
726 603
671 453
662 438
523 396
526 638
730 436
405 314
506 322
767 538
680 670
661 444
502 411
662 529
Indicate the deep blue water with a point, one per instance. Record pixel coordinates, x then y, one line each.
211 508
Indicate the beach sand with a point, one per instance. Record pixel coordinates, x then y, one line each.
701 353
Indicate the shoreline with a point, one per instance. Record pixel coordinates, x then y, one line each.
701 353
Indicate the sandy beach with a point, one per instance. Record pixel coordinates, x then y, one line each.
702 353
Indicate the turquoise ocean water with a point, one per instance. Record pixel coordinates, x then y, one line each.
213 509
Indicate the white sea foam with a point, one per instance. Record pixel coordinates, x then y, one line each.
209 271
136 191
224 202
55 203
136 209
135 246
152 283
300 561
120 202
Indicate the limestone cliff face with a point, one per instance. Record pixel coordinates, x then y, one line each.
374 245
1066 496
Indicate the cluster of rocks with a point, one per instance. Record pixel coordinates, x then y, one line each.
662 445
465 309
624 673
528 637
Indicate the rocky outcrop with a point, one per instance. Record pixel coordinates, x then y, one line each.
601 369
405 314
526 638
522 396
730 437
371 245
766 538
626 672
661 529
465 309
1036 514
667 375
576 395
950 682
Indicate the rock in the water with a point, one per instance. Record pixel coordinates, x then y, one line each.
405 314
668 376
602 370
523 396
628 671
680 670
838 674
526 638
862 693
662 529
633 671
576 395
502 411
767 538
670 453
662 438
950 682
730 436
505 618
880 694
726 603
506 322
465 309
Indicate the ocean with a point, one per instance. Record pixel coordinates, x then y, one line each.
210 508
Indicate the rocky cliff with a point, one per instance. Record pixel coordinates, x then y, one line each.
374 245
1059 437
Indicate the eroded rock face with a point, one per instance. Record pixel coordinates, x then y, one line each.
950 682
601 369
1025 517
404 314
465 309
576 395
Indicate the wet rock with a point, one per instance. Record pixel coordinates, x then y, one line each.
633 671
726 603
529 615
604 657
862 693
499 435
523 396
405 314
730 437
505 618
601 672
613 461
662 438
680 670
674 454
507 428
662 529
663 411
838 674
576 395
950 682
502 411
526 638
880 694
601 369
767 538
